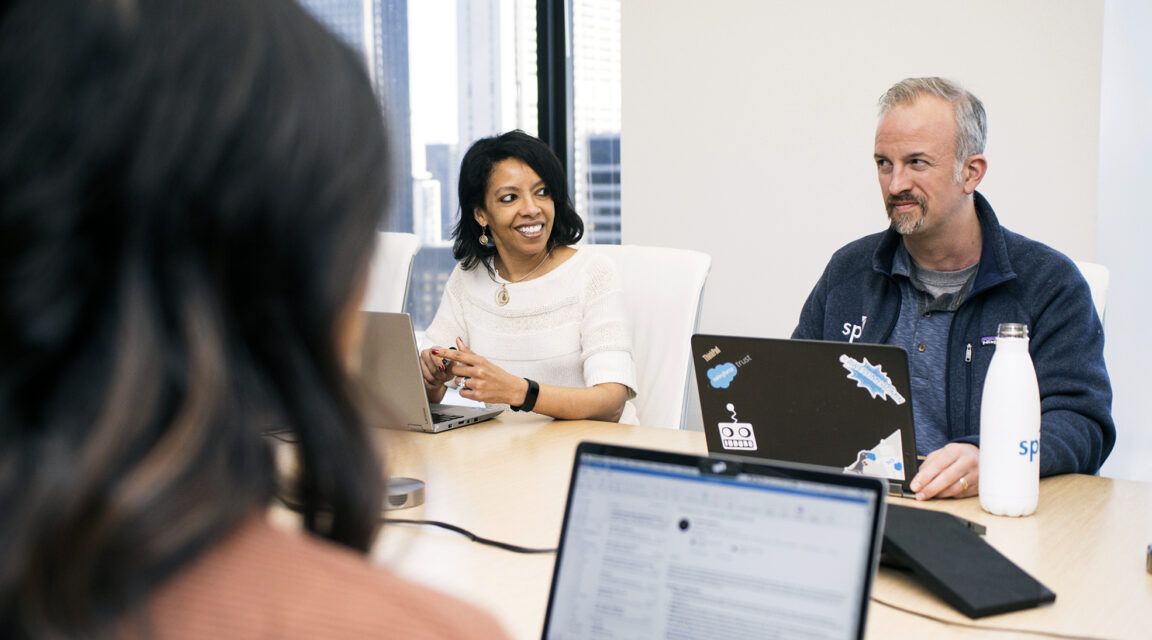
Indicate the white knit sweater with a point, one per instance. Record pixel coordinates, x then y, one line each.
566 328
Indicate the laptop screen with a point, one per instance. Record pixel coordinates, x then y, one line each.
666 545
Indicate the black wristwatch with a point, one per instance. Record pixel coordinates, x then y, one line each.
530 397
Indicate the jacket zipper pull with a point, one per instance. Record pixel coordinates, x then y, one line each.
968 353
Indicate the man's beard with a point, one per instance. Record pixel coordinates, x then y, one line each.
905 224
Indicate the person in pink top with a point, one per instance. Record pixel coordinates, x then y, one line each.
189 193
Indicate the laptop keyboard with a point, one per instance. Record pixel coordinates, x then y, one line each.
443 417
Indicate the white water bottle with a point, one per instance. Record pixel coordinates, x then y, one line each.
1010 427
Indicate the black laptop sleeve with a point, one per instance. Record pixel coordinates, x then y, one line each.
956 564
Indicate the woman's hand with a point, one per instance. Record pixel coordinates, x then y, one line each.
486 382
435 372
483 381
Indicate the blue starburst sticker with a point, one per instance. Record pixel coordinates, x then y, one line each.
871 378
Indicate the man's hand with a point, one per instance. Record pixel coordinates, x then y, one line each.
953 471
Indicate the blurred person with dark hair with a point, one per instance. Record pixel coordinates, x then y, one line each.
526 319
188 200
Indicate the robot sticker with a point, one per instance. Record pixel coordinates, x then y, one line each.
735 435
871 378
885 460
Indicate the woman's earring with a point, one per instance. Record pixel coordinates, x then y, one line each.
484 239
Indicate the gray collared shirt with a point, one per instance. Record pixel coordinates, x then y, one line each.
928 302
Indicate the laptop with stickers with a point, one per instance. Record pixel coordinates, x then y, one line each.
666 545
836 404
390 366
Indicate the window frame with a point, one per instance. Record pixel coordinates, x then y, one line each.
554 79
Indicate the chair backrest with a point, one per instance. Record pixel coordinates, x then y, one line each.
1097 276
391 269
663 289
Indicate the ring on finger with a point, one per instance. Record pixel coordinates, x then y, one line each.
964 483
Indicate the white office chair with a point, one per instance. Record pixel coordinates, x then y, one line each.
663 289
390 271
1097 276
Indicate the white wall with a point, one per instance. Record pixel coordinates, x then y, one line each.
749 128
1126 228
748 131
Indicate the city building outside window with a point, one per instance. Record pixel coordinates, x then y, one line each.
448 72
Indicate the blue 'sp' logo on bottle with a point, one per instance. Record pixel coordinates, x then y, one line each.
1029 448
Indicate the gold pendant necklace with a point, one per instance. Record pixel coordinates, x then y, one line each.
502 296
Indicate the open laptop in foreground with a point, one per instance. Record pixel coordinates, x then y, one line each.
836 404
666 545
390 366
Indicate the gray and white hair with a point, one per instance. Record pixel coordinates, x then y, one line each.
971 121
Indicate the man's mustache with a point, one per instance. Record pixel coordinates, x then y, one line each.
903 198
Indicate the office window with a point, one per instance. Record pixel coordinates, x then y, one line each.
448 72
596 116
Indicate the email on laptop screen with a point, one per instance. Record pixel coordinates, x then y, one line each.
654 549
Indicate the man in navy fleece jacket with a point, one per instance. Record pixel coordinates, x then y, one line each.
940 280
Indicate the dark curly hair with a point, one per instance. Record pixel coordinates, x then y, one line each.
189 194
475 171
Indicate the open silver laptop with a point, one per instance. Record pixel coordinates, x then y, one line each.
666 545
390 366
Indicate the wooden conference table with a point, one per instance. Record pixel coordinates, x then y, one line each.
507 480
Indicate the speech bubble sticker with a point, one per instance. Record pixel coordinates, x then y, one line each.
722 375
871 378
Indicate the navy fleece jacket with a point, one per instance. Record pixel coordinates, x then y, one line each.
1019 280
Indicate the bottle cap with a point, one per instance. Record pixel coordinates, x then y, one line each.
1012 330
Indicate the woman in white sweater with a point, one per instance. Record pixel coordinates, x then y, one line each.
526 319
